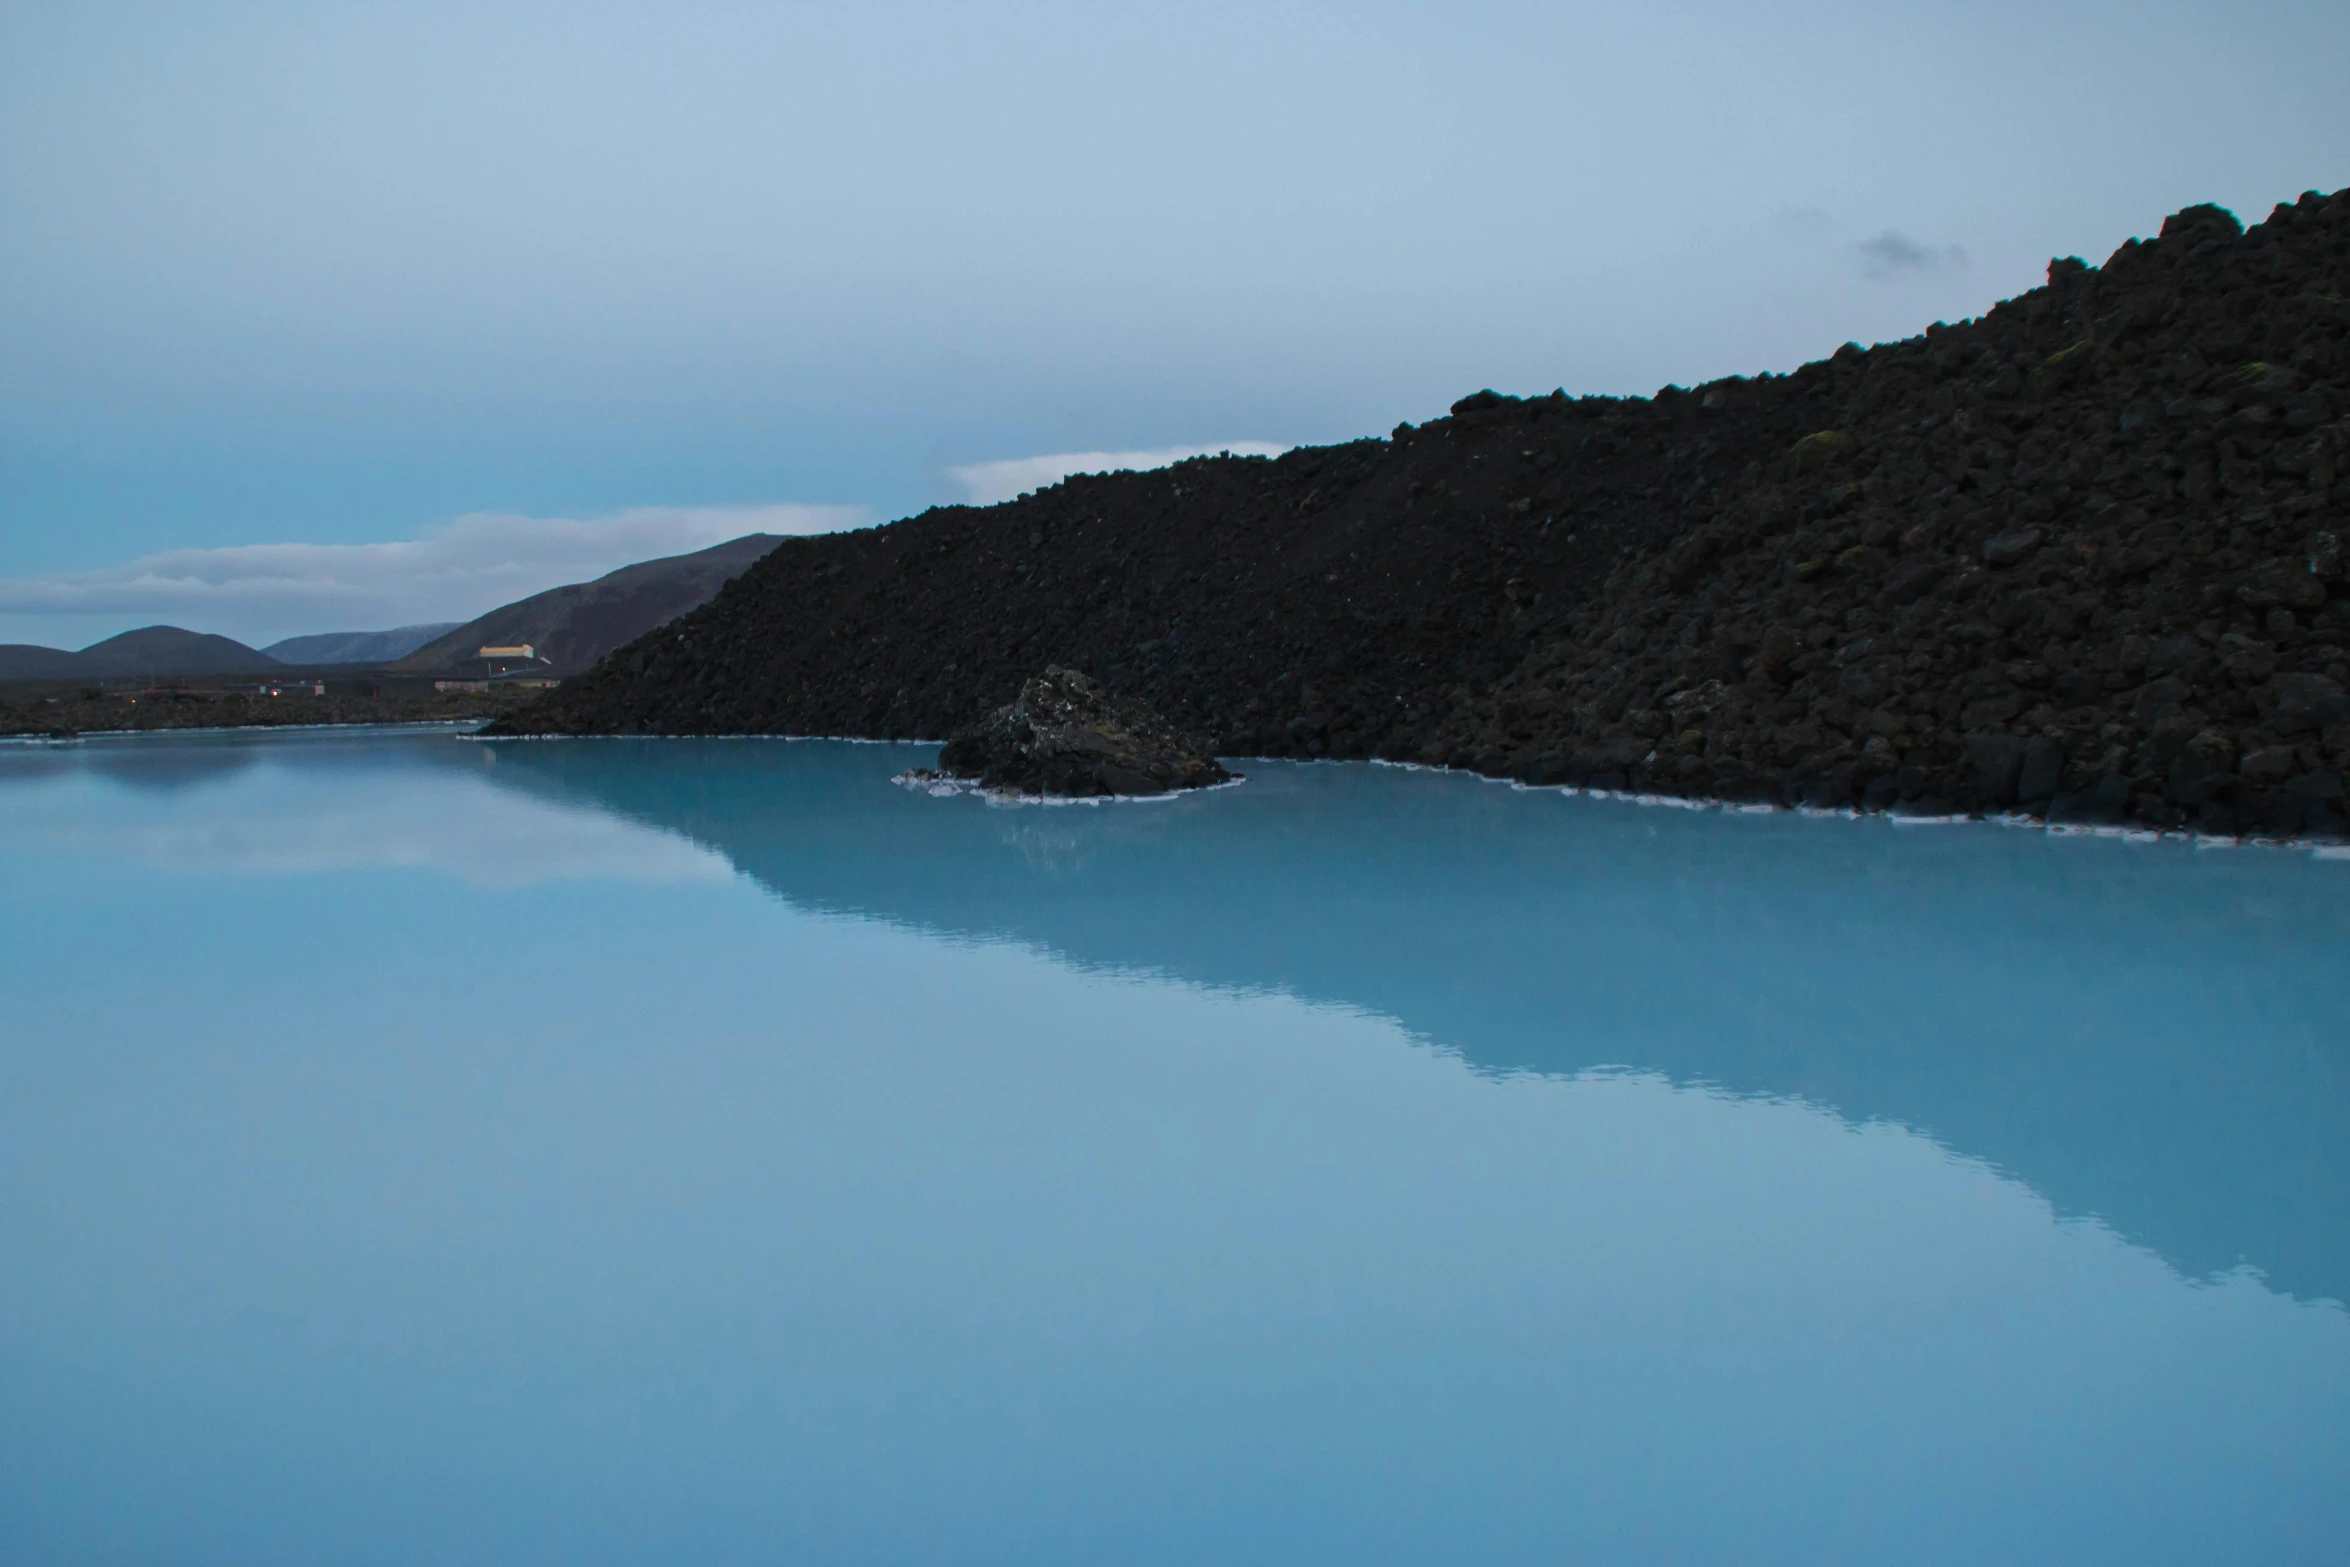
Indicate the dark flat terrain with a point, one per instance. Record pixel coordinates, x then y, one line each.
37 710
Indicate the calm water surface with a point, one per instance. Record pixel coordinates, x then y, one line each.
417 1150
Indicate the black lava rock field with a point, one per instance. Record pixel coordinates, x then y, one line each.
2082 557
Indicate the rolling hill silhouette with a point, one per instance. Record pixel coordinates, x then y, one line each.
150 652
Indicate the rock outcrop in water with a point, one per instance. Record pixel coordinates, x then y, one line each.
1065 735
2083 556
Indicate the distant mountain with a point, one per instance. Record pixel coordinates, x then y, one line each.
151 651
167 650
357 647
572 627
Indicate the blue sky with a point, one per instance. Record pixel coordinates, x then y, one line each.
443 281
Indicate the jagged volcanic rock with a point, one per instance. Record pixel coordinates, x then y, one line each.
1065 735
2082 556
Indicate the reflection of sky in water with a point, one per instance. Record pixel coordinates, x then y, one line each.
584 1215
248 810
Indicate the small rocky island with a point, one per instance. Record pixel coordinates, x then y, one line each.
1065 735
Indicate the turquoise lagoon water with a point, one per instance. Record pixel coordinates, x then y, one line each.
414 1149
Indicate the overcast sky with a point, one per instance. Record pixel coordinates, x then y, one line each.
438 276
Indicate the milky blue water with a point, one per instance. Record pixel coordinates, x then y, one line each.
420 1150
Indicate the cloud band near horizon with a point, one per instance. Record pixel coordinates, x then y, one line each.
460 569
259 593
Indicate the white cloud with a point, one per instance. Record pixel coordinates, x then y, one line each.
452 572
986 483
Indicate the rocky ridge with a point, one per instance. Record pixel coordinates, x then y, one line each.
1065 735
2082 556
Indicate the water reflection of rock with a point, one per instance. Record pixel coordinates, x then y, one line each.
2146 1034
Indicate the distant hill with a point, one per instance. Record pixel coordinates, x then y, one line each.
357 647
24 661
150 652
167 650
574 626
570 626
